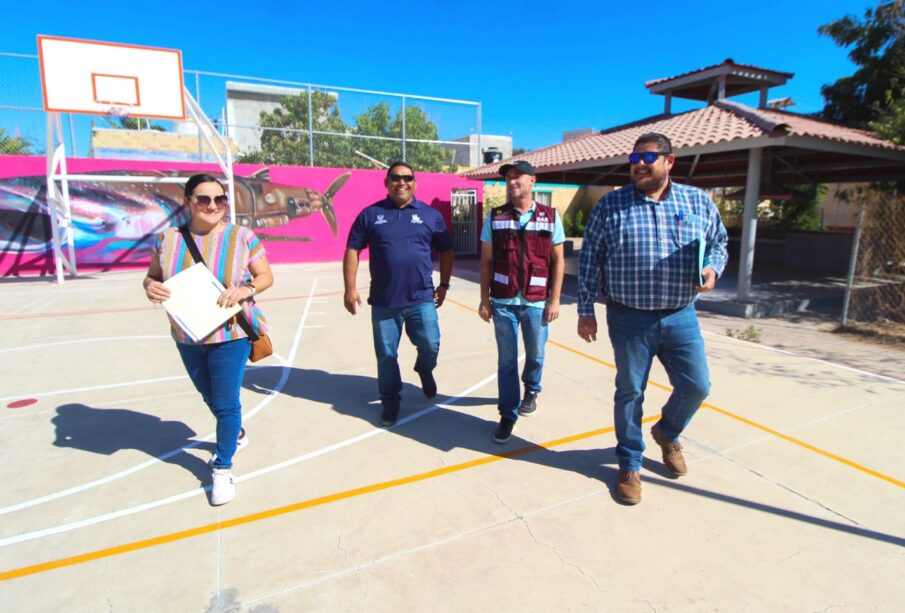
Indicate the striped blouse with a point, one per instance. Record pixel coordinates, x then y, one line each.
228 254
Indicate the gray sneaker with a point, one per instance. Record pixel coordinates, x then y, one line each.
529 404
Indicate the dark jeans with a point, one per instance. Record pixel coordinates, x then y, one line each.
217 370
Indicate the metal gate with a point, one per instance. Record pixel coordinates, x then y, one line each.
465 221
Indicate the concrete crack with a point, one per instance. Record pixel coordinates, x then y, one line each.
339 545
524 521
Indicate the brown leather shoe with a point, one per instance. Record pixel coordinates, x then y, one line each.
628 487
672 453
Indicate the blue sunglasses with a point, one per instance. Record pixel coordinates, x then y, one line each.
649 157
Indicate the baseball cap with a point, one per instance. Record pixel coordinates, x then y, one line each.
519 165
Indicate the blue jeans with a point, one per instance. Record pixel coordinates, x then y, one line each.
217 370
506 321
674 337
422 327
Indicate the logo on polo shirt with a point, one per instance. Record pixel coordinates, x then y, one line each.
380 220
416 219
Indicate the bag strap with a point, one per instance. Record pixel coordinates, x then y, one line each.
196 255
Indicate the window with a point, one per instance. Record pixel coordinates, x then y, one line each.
544 198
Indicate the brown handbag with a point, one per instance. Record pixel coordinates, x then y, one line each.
261 347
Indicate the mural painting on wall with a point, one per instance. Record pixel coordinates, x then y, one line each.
301 213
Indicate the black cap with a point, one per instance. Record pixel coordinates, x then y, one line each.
519 165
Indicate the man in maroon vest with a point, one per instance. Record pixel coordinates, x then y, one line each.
521 280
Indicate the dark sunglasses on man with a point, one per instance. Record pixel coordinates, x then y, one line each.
220 201
649 157
406 178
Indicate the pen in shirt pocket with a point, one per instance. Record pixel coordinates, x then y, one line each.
680 216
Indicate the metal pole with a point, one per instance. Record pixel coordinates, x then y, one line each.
52 204
198 100
72 136
852 264
749 225
310 132
403 129
479 159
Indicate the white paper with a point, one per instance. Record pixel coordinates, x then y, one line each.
193 301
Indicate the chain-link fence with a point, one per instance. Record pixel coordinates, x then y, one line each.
265 121
877 298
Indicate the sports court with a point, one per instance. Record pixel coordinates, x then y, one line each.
793 499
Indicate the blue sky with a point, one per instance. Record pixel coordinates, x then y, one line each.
537 67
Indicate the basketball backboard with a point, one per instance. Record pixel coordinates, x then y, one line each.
84 76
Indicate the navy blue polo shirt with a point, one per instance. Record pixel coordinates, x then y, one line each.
400 240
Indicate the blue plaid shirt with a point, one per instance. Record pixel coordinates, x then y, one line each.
648 249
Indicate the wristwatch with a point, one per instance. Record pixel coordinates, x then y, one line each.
444 285
251 285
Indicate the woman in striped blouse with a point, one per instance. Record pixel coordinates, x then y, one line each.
216 363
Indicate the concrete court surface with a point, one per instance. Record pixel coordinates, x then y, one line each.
793 502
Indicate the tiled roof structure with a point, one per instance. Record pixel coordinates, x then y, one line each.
728 62
721 122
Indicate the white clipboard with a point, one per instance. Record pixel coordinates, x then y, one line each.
193 301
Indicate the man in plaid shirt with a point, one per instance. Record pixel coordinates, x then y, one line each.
641 251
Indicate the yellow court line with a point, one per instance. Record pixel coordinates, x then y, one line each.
352 493
808 446
291 508
739 418
761 427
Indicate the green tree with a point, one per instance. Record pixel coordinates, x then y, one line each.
284 138
14 145
376 121
872 97
801 211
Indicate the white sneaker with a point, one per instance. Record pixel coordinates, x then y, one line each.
224 488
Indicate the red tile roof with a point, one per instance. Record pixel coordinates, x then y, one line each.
727 62
722 121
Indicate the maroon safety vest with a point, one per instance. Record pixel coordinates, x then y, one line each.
521 256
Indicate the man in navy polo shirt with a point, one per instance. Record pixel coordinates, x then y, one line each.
400 232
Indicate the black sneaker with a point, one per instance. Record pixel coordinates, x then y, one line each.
428 385
390 412
529 404
504 431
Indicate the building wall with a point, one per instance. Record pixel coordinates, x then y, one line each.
835 212
468 156
114 223
152 145
567 199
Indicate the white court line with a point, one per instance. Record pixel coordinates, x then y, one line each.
285 363
91 521
85 340
92 388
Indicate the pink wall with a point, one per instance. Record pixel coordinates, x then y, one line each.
114 222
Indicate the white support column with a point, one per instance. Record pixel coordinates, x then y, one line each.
749 225
58 208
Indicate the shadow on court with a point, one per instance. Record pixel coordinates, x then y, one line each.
106 431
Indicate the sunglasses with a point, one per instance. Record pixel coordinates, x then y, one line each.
205 201
406 178
649 157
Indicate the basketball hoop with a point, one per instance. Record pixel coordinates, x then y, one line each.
119 110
